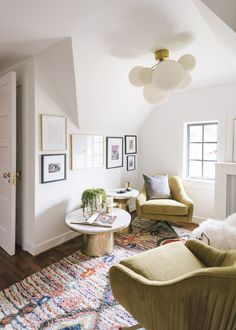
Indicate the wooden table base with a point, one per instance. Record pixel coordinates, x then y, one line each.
98 245
123 204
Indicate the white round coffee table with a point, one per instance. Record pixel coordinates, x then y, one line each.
98 241
121 196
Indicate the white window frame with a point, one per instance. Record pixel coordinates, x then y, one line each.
188 142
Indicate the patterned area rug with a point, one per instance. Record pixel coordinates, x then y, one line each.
74 293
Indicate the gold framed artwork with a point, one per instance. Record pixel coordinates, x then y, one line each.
53 133
87 151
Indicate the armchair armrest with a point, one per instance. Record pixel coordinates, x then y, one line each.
178 192
208 255
142 197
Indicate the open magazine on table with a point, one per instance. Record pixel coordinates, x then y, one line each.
95 219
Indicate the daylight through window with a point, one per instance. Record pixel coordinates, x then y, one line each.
202 139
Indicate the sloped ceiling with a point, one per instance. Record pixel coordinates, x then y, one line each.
55 75
109 37
226 10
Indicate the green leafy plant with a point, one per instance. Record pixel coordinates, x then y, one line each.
91 196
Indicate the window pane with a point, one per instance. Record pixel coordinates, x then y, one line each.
209 170
195 169
210 133
210 151
195 151
195 133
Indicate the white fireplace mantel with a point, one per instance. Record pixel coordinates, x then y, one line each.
223 169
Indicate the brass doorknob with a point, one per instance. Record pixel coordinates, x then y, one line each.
6 175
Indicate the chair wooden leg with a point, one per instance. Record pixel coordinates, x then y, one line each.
133 327
179 225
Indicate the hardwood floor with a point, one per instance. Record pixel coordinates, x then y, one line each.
22 264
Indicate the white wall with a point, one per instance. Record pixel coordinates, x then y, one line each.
54 200
161 138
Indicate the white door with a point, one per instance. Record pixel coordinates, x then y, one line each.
8 162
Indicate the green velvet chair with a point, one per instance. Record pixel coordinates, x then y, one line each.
178 287
177 209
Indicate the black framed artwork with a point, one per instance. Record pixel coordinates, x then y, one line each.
131 163
114 152
130 144
53 167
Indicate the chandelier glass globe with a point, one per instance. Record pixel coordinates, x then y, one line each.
188 62
154 96
134 76
140 76
185 83
168 75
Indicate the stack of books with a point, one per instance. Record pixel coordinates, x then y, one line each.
96 219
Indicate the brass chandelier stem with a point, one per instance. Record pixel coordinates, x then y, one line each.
161 54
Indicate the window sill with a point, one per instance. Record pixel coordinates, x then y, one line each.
199 184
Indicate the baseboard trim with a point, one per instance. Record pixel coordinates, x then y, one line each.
28 247
198 220
44 246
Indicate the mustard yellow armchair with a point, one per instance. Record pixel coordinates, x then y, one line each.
177 209
178 287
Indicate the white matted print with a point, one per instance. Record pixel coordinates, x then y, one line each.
130 144
53 168
114 152
87 151
130 162
53 132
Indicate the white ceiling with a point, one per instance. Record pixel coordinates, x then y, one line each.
110 37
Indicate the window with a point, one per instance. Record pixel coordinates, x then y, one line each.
202 150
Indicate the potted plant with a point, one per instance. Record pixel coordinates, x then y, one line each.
93 199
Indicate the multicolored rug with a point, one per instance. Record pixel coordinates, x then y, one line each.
74 293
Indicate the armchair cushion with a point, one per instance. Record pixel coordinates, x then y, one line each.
157 186
161 264
164 206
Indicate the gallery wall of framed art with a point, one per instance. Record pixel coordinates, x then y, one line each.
87 151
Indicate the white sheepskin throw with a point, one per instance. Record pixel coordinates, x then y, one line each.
221 233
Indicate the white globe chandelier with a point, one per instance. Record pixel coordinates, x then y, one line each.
164 77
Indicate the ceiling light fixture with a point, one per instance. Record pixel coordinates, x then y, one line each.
164 77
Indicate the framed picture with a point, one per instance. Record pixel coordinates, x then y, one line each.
87 151
130 163
53 132
53 168
114 152
130 144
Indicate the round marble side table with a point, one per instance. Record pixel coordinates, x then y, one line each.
97 240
